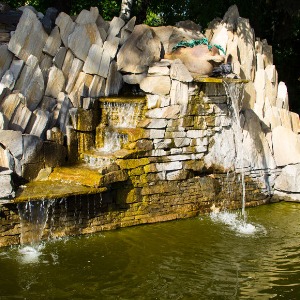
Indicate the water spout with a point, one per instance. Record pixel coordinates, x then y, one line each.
33 219
235 96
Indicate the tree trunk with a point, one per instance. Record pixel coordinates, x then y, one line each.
125 12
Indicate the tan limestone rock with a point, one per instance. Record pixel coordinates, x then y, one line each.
286 146
97 87
20 118
159 85
38 123
246 48
59 58
144 48
66 26
73 73
180 72
114 80
5 59
9 105
93 61
82 38
67 63
56 82
31 83
288 180
87 16
282 100
53 42
127 30
114 27
80 88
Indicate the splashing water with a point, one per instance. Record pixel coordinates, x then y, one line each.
235 223
33 219
235 94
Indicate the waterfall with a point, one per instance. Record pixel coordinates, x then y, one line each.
33 219
235 96
122 115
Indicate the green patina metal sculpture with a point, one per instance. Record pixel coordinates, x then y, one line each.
193 43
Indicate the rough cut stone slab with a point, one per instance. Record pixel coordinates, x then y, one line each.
12 140
66 26
111 46
56 82
170 166
16 68
157 124
59 58
97 88
105 64
63 117
246 48
53 42
179 72
38 123
159 85
87 16
80 88
295 122
222 153
256 147
170 112
5 59
286 146
127 30
220 36
7 81
134 78
179 94
159 71
20 118
47 103
31 83
3 122
144 48
45 65
282 96
73 73
288 180
29 37
32 147
114 80
67 63
9 105
6 185
93 61
82 38
114 28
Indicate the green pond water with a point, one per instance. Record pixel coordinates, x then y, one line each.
210 257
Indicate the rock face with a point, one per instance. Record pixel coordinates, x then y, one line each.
177 149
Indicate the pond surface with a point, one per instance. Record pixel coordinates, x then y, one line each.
210 257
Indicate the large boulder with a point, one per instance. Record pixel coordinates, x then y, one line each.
288 180
144 48
199 59
29 37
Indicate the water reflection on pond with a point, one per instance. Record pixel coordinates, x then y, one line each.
201 258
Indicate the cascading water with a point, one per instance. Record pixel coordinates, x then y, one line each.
33 219
235 95
122 115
